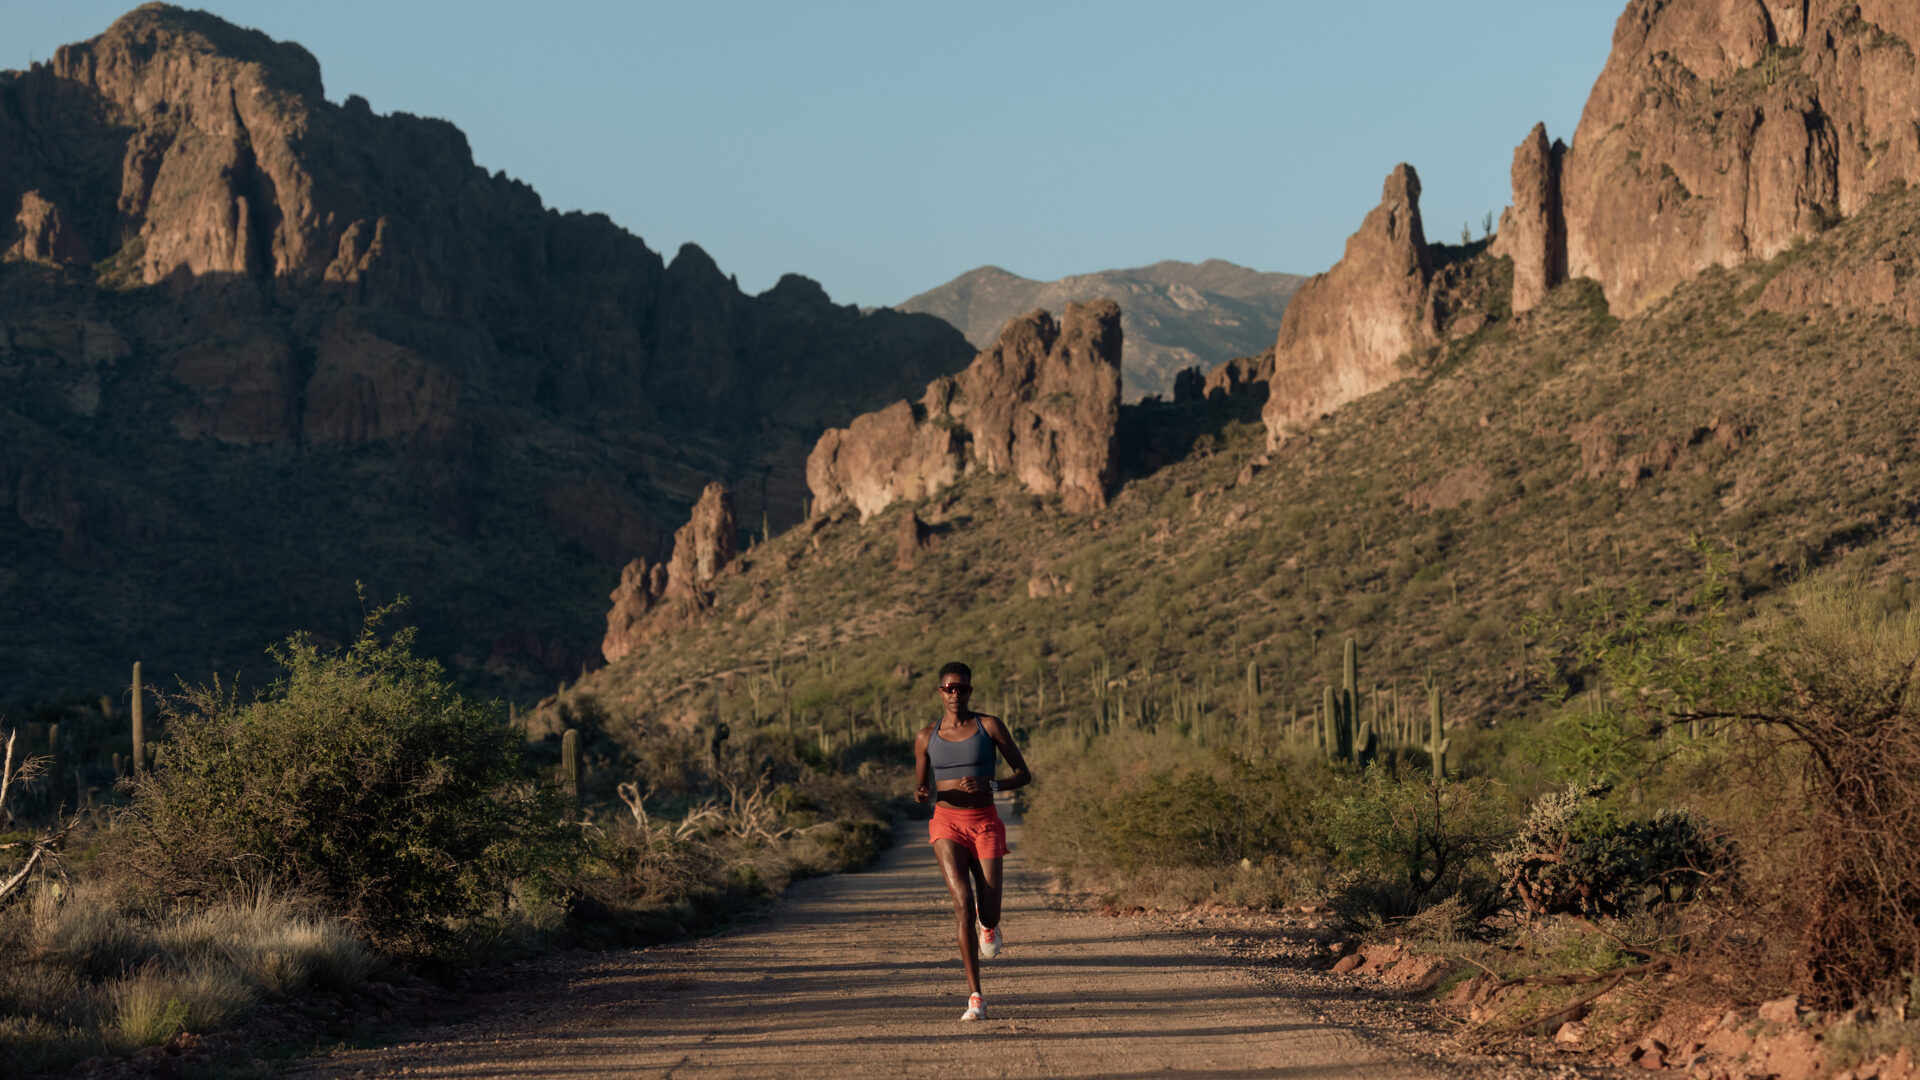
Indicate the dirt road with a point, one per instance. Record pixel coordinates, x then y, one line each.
857 976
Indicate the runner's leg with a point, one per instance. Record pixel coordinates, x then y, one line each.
957 863
987 879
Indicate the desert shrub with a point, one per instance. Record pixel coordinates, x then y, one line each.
1565 858
1849 709
1151 817
1248 810
855 843
1810 720
1407 845
360 777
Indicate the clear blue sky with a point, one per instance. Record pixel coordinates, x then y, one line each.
883 148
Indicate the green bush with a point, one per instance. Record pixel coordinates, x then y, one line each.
1410 845
360 777
1249 811
1151 817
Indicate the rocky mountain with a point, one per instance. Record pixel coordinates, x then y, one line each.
1718 133
1041 404
1174 315
257 346
1697 323
1458 522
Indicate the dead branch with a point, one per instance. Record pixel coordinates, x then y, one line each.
1612 978
44 848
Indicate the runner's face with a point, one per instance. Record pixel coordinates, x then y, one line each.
954 692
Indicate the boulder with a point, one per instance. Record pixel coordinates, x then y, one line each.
1047 586
1041 404
1189 384
1533 231
1345 329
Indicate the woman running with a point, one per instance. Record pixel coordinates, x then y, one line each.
954 766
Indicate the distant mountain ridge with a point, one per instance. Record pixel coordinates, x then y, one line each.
256 346
1174 314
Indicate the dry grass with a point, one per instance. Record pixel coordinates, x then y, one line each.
150 1006
92 971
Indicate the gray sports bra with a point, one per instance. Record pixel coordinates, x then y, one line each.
971 756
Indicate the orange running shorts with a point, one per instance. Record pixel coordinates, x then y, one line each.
979 831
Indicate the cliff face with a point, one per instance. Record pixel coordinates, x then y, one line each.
308 335
1719 131
1723 130
1345 328
1041 404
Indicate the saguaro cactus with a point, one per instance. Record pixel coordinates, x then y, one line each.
139 724
1330 724
1350 670
56 775
1437 741
1350 741
570 761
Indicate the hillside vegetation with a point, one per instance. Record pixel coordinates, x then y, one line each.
1526 467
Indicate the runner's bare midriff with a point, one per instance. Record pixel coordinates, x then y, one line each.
949 792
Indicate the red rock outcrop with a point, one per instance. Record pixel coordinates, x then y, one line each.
678 588
895 453
45 236
640 588
1879 284
1345 328
909 541
1245 375
703 547
1533 231
1042 404
1721 130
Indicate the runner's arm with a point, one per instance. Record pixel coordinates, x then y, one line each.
997 731
922 768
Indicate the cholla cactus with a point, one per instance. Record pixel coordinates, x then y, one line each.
1560 863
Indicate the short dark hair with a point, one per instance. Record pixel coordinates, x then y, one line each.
956 668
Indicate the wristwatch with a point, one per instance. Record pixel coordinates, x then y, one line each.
993 785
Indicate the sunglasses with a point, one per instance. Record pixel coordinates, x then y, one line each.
955 688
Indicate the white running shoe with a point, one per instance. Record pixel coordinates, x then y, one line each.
976 1009
991 938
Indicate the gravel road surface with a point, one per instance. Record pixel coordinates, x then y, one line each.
857 975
